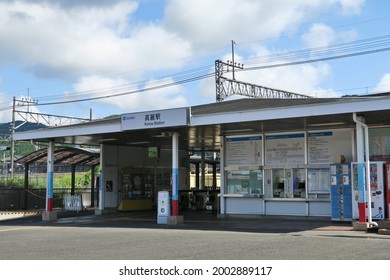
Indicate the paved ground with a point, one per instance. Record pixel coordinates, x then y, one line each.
202 236
193 220
10 215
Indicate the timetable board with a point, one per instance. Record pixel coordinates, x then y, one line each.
244 150
325 146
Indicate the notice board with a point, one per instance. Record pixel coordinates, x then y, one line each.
325 146
244 150
285 149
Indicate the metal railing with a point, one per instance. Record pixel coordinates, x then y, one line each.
30 199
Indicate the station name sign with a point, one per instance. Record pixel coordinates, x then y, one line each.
155 119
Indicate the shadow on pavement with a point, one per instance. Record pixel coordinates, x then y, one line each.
193 220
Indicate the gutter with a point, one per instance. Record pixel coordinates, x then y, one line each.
368 179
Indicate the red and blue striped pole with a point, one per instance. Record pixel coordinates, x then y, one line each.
175 174
362 205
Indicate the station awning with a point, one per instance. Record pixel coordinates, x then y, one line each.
64 156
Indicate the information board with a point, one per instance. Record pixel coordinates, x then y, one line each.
163 207
244 150
318 180
285 149
325 147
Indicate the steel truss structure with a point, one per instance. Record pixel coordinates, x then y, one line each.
227 87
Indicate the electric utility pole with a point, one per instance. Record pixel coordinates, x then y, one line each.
23 108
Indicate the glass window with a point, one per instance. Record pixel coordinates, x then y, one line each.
379 144
299 185
318 180
278 182
244 182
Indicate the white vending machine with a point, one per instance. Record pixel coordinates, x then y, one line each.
377 190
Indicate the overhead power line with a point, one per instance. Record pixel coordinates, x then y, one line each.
375 44
130 86
315 59
161 86
312 55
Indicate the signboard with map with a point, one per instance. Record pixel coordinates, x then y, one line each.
282 149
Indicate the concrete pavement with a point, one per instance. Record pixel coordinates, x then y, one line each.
137 236
195 220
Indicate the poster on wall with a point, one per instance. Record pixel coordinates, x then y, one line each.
325 147
285 149
244 150
379 144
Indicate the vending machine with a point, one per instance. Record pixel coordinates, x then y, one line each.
341 192
377 190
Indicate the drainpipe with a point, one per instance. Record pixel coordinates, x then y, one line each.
368 179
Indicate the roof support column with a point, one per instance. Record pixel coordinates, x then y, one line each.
25 193
203 171
214 175
49 214
93 186
175 218
73 179
196 174
222 174
101 180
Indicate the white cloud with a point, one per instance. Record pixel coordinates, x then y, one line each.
5 115
211 23
137 99
351 7
384 84
214 23
319 35
48 40
93 41
322 35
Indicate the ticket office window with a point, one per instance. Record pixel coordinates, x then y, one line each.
245 182
288 183
278 183
318 180
299 183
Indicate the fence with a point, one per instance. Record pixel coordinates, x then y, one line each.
73 202
16 198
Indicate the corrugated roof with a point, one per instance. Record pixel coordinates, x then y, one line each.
65 156
255 104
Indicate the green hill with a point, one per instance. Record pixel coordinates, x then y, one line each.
21 148
5 128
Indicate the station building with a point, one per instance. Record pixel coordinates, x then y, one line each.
276 155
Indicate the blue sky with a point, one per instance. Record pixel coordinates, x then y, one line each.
64 50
